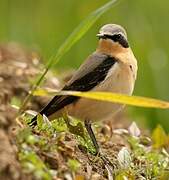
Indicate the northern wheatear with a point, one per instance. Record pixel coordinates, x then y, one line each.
111 68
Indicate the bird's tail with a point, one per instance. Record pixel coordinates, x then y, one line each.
33 122
57 103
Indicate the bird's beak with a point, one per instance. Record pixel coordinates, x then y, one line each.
100 35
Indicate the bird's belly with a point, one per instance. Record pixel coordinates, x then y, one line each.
121 81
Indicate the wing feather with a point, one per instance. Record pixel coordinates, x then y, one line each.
86 78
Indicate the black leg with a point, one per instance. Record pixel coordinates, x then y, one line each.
94 141
92 136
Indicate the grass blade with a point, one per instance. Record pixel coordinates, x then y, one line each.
83 27
79 32
110 97
123 99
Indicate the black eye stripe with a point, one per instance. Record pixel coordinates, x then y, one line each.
117 38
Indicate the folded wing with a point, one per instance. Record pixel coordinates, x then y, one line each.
91 73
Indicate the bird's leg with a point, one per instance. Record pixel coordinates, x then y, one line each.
94 141
92 136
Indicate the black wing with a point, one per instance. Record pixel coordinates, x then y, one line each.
85 83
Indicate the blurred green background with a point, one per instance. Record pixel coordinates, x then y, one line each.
45 24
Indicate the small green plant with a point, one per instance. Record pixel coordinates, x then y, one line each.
73 165
30 161
143 161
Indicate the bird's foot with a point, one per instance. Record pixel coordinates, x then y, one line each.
104 158
100 155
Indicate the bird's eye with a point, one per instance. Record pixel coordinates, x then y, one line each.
118 36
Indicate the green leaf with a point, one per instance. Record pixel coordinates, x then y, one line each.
31 162
40 121
15 101
83 27
159 137
110 97
59 125
23 135
76 129
123 99
124 176
79 131
73 164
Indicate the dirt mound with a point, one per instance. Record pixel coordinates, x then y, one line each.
18 69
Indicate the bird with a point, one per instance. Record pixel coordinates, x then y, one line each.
112 67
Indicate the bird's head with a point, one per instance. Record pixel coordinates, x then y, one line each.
113 35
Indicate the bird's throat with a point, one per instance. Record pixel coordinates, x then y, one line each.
111 48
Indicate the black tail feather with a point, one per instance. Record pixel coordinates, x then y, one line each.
33 122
